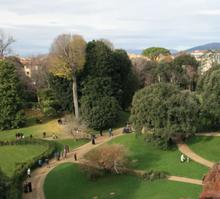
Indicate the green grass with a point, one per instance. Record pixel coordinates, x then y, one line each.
67 181
36 130
146 157
10 156
207 147
71 143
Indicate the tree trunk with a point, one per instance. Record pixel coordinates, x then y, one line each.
75 98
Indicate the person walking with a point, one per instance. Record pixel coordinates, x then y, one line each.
29 172
110 132
100 132
29 186
47 162
75 156
93 139
64 152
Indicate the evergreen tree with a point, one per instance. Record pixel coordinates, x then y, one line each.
62 89
11 115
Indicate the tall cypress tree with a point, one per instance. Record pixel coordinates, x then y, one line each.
10 99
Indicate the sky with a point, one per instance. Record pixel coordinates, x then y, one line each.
128 24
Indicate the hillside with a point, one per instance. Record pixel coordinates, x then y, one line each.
209 46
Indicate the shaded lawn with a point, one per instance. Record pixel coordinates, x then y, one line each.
68 181
207 147
36 130
71 143
11 155
147 157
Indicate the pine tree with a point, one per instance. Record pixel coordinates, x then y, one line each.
11 115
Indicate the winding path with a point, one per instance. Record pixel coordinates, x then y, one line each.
208 134
39 175
184 148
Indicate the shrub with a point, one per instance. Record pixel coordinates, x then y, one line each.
108 158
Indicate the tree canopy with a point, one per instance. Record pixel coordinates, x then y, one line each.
11 115
66 58
166 111
154 52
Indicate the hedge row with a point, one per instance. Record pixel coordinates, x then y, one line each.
15 183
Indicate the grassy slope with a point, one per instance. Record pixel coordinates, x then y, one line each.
67 180
36 130
207 147
10 155
148 157
71 143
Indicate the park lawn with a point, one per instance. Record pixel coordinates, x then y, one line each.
67 180
12 155
207 147
36 130
145 156
71 143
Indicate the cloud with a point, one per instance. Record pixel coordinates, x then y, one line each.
209 12
127 23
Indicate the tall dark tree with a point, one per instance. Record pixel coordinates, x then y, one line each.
62 89
11 115
103 62
127 83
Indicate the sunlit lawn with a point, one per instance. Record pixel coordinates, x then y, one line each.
67 181
11 155
207 147
35 130
146 157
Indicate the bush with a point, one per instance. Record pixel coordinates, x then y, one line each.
154 175
48 102
165 110
107 159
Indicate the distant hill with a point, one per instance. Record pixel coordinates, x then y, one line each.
210 46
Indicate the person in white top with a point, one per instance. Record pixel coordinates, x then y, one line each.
29 172
182 158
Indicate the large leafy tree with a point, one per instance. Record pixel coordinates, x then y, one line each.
149 106
67 58
190 66
154 52
166 111
209 89
10 97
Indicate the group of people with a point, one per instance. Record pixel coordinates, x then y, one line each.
93 137
127 128
19 136
184 158
63 153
